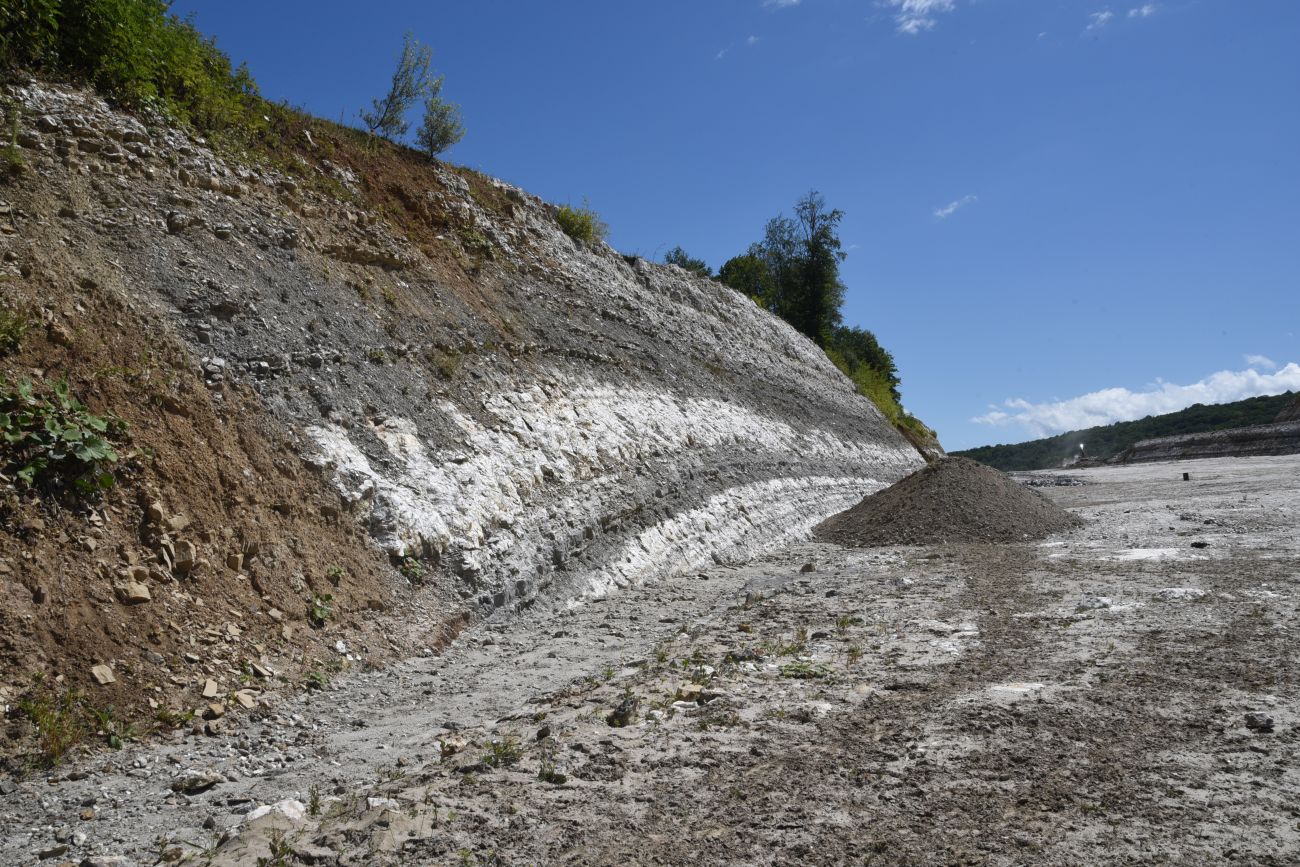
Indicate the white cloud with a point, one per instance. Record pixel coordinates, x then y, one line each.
753 40
1261 361
779 4
946 211
722 54
1098 20
1146 10
1119 404
914 16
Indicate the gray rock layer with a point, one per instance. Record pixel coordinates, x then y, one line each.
529 415
1280 438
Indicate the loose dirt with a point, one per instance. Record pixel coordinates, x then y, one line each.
951 500
1124 692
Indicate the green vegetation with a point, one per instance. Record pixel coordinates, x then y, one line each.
582 223
679 257
50 439
794 273
64 718
133 51
13 328
503 753
1102 443
413 81
319 609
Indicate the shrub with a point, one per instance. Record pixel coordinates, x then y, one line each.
133 51
582 223
55 440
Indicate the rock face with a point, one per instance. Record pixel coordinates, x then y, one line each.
526 415
1291 413
1280 438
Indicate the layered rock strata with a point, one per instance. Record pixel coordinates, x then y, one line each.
1281 438
518 413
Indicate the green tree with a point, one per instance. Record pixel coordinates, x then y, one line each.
749 273
411 80
802 255
441 127
679 257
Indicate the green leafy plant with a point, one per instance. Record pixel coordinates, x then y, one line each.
581 223
319 609
53 439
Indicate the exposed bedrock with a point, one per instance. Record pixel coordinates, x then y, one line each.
1280 438
531 416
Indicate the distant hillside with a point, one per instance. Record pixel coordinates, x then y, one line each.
1109 440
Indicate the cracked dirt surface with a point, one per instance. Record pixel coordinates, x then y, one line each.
1120 693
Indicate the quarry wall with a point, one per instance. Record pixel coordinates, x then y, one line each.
522 415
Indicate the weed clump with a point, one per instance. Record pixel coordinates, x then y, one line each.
581 223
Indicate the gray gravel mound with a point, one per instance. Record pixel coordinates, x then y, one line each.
952 500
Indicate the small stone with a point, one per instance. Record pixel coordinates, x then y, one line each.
177 222
210 688
197 782
155 513
807 567
1258 722
185 556
235 562
214 711
1180 594
245 699
103 675
59 335
52 851
133 593
87 815
176 523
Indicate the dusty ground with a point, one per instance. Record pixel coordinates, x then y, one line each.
1078 700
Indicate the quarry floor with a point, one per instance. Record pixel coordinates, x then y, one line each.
1082 699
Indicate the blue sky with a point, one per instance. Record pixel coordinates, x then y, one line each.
1058 213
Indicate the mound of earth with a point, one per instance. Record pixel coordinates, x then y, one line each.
952 500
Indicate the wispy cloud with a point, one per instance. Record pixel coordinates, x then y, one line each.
914 16
721 54
752 40
946 211
1098 20
1261 361
1119 404
1146 10
779 4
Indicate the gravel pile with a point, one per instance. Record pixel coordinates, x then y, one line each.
952 500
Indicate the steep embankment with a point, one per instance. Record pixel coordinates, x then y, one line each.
510 415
